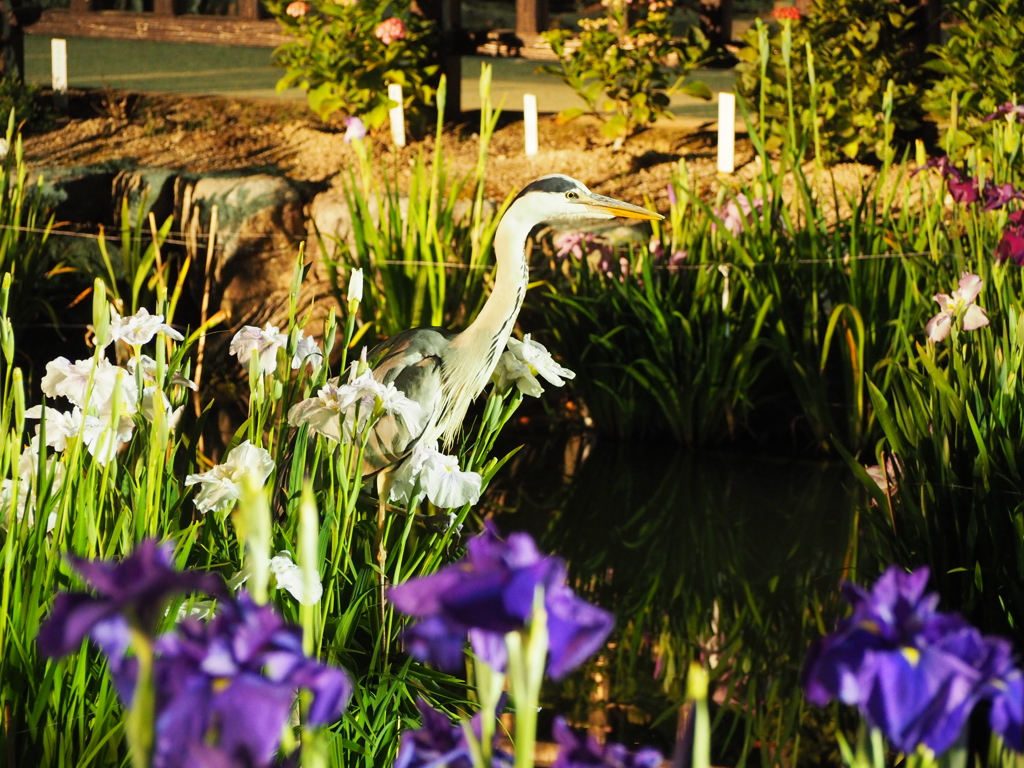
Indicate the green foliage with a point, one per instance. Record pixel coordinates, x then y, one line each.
426 255
981 62
658 351
65 712
627 69
25 223
26 102
831 100
340 56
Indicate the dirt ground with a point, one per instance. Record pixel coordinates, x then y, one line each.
202 134
216 134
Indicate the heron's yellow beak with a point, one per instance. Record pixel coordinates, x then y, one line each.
608 205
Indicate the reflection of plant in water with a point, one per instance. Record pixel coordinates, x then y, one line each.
724 561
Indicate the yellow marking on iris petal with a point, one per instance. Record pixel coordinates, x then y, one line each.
870 626
221 684
912 655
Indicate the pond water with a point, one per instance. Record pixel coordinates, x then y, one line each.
730 559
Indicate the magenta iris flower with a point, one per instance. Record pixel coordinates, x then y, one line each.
1009 110
489 594
1011 244
913 672
963 189
136 588
579 750
998 195
440 743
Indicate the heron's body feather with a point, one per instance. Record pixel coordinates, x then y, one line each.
412 361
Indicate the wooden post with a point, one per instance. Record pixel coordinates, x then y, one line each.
81 6
248 9
531 19
447 15
530 123
726 132
397 115
451 59
716 20
164 7
59 71
12 44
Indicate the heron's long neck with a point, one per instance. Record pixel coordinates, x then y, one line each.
477 349
492 327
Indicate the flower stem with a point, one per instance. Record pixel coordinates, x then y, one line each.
525 674
139 723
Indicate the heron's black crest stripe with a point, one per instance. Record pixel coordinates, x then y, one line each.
549 184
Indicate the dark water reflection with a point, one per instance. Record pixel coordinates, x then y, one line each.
731 560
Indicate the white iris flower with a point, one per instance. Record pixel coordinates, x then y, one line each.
307 352
438 476
523 362
71 380
263 342
289 578
222 485
345 409
140 328
28 475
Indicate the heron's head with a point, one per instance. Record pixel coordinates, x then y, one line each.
558 198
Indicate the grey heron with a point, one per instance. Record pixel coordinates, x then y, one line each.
444 371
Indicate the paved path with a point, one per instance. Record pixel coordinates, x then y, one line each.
248 73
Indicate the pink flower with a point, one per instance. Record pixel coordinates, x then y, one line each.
961 300
572 244
737 213
297 8
390 30
354 129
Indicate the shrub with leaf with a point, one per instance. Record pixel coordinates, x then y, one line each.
858 47
625 69
346 53
981 62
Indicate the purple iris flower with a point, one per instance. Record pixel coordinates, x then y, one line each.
998 195
584 751
489 594
235 676
913 672
672 199
440 743
135 588
223 689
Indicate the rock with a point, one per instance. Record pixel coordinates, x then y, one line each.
260 223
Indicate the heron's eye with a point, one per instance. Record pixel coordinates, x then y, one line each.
572 196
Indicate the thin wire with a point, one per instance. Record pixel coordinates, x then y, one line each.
455 265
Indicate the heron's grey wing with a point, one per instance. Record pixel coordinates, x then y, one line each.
414 362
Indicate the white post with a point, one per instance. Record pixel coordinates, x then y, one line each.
59 68
726 132
530 123
397 115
